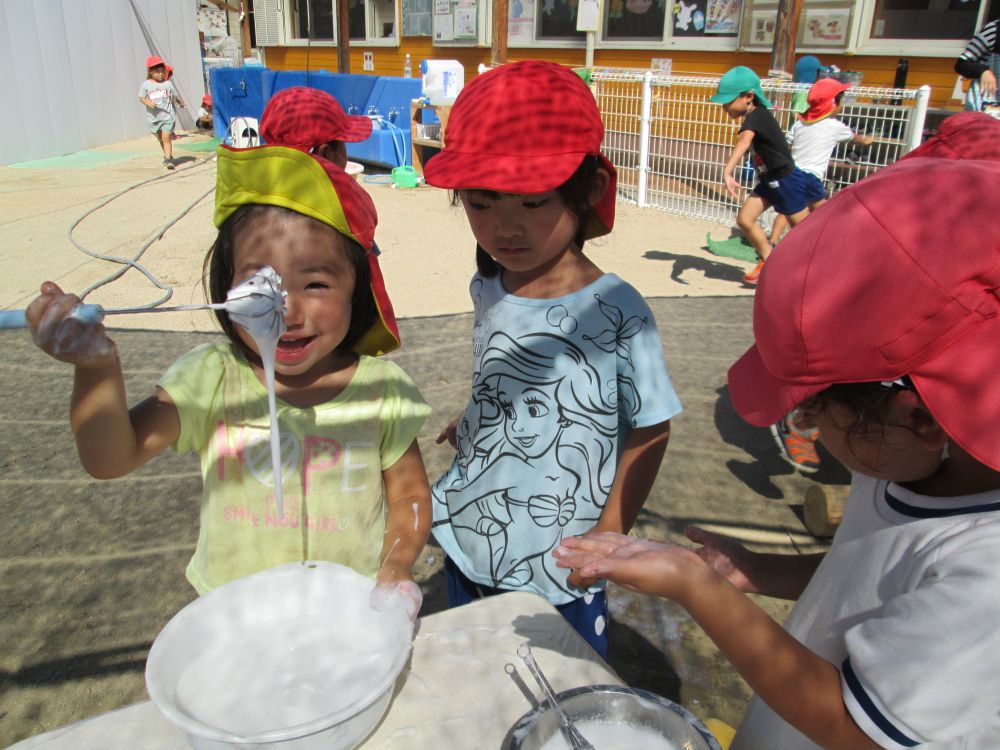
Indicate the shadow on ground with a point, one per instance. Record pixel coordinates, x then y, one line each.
91 571
712 269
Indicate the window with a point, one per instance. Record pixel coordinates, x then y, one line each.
924 19
383 19
646 20
313 19
636 19
368 20
556 19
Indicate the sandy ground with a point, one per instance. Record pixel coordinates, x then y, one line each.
428 249
88 577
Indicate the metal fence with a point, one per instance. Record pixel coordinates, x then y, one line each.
670 143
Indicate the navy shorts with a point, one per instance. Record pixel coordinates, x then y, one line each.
794 192
588 615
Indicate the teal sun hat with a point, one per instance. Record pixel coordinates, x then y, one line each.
737 81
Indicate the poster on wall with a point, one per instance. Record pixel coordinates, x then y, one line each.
723 17
521 14
827 26
762 24
465 23
689 18
443 28
693 18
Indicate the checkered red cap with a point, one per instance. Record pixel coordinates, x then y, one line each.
524 127
305 118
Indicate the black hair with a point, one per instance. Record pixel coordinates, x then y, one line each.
575 193
837 99
869 401
218 272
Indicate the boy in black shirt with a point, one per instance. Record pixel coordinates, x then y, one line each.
779 182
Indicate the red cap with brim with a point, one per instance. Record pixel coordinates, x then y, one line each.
524 127
314 187
896 275
153 61
305 118
822 98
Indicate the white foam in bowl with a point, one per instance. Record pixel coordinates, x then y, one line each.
293 657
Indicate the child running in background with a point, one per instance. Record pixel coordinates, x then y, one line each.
571 400
313 121
779 183
355 488
814 137
880 320
159 96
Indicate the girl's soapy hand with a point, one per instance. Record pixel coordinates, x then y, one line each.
643 565
393 585
449 433
56 331
728 558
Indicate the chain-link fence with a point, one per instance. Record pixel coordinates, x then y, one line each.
670 143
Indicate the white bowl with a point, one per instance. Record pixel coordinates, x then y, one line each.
293 657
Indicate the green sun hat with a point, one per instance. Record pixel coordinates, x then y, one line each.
737 81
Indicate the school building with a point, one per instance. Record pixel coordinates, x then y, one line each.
870 37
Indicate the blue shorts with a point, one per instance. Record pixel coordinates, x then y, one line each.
588 615
794 192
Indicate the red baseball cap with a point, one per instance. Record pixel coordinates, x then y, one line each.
207 99
896 275
154 60
312 186
305 117
523 127
821 98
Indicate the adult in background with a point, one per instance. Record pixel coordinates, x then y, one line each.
980 63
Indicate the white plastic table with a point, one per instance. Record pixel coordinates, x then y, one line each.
456 693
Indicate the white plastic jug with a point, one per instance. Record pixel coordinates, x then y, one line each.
442 80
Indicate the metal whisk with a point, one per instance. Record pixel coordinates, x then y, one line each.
576 740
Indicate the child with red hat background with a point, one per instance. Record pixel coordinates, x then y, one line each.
779 182
355 488
158 95
205 120
880 320
314 121
571 401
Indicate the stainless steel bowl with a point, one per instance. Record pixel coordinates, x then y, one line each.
614 705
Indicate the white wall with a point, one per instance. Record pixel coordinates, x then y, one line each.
70 71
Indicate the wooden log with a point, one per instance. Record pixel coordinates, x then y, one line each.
823 508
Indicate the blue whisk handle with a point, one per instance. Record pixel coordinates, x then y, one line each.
15 318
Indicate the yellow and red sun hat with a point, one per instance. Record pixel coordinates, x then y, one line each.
312 186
